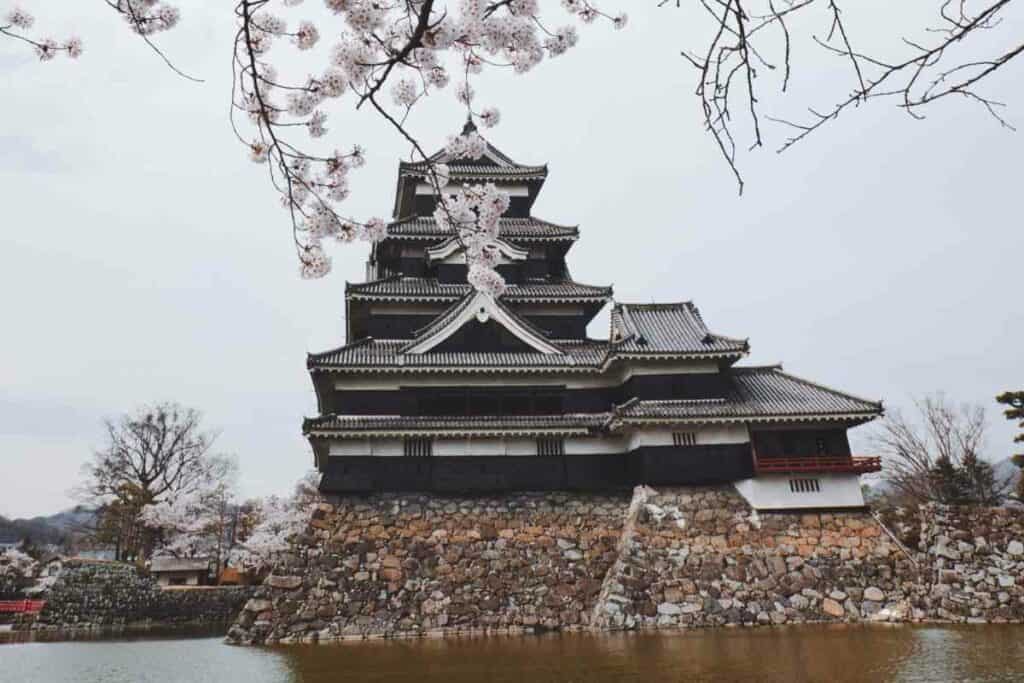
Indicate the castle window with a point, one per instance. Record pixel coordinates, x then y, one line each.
418 448
550 446
804 485
684 438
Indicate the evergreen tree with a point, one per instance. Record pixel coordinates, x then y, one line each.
1015 411
978 481
947 482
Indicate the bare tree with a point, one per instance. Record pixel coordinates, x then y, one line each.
158 452
935 456
750 38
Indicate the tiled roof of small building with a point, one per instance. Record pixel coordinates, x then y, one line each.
358 425
386 354
400 288
666 328
522 229
757 392
177 564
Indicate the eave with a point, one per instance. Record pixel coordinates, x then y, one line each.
616 423
600 368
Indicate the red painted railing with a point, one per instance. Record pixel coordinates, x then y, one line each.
820 463
20 606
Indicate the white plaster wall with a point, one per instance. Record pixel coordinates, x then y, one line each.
706 435
772 492
574 445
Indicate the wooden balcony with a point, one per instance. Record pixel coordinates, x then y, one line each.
818 463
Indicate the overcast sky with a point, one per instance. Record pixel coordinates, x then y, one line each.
143 257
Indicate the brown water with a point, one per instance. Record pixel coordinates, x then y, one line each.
855 653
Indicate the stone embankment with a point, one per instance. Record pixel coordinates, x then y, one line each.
392 565
110 597
409 565
702 557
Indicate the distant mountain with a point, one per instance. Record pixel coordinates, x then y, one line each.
52 529
1005 469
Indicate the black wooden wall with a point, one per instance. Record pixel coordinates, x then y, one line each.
647 465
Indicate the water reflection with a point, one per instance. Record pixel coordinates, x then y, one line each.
841 653
850 653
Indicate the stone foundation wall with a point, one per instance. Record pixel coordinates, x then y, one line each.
113 596
976 563
394 565
702 557
410 565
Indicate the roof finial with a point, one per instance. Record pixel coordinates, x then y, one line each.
470 127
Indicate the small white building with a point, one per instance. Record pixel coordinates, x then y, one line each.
173 571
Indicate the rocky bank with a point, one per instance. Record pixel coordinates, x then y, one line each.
393 565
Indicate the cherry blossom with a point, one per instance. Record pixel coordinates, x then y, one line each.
14 562
279 520
388 57
19 18
17 21
190 524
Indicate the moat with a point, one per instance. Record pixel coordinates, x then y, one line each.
814 653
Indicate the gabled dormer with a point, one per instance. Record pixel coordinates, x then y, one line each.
479 323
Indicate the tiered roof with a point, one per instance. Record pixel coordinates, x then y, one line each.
512 228
420 289
493 167
362 426
639 333
755 394
658 331
386 355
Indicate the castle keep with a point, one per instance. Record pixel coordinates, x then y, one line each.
441 388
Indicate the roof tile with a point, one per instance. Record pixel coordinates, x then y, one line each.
758 392
661 328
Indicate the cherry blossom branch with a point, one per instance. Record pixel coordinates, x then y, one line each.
409 47
17 21
929 73
147 17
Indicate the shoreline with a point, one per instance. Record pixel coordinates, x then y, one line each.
140 630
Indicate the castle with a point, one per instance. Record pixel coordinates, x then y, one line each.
446 389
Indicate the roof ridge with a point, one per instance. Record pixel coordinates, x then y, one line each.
658 304
712 399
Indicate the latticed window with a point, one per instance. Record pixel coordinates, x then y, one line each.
418 448
804 485
684 438
550 446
